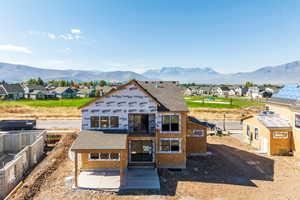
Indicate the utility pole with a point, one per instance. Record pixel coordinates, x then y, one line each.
224 128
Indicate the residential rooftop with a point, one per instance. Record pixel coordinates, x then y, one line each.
272 120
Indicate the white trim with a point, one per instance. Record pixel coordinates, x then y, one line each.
179 123
109 125
294 122
90 159
170 152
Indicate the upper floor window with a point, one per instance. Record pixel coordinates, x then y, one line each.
170 123
256 133
104 122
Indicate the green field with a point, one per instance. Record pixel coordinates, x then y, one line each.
48 103
192 102
220 102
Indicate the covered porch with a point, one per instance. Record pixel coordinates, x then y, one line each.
103 162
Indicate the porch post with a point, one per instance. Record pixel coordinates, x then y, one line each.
76 170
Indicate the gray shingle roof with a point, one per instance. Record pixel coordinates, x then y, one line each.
100 140
2 91
167 93
13 88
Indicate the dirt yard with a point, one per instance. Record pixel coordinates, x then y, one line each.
41 113
233 172
217 114
48 113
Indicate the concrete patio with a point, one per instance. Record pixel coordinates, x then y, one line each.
99 180
109 180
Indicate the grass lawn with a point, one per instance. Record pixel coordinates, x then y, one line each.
48 103
220 102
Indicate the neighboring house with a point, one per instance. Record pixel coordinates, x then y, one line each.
86 92
244 91
105 89
65 93
238 91
254 93
11 91
268 132
35 92
188 92
140 124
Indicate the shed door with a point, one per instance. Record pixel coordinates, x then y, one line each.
264 145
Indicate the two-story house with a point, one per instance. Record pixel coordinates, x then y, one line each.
138 124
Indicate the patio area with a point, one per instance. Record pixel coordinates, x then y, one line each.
99 180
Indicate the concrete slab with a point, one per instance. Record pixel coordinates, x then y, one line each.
141 178
99 180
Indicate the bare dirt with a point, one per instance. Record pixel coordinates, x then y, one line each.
41 113
233 172
217 114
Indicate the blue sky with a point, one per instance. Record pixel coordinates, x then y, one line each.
226 35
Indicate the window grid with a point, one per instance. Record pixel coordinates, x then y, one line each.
170 145
104 157
170 123
104 122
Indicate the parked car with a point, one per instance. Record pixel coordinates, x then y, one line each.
6 125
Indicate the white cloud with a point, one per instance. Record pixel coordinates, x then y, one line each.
75 31
52 36
14 48
65 50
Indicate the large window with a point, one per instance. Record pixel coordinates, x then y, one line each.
297 120
104 122
256 133
170 145
104 156
170 123
94 122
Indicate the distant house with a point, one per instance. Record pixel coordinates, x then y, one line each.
35 92
244 91
11 91
254 92
103 90
238 91
65 93
86 92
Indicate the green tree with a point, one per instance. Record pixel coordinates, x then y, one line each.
248 84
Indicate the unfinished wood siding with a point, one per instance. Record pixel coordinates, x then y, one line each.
276 146
88 164
280 145
289 114
196 144
176 160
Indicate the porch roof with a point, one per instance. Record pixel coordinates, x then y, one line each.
100 140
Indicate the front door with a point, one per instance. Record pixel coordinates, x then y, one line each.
141 151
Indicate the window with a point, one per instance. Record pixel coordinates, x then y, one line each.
94 121
170 123
256 133
199 132
297 120
104 156
248 130
114 122
170 145
104 122
280 135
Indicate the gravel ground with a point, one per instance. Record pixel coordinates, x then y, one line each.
233 172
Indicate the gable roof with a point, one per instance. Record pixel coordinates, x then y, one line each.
167 93
61 90
36 87
273 121
2 91
12 88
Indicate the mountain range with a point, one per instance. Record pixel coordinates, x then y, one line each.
280 74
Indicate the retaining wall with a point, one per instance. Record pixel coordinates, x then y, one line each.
31 148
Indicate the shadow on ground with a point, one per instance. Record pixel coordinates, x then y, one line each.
227 165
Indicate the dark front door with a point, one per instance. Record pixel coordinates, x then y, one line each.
141 151
141 123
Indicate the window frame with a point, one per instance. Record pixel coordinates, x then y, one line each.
170 145
295 114
276 137
170 123
197 134
109 122
100 159
256 133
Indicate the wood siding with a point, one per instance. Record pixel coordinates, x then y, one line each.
196 144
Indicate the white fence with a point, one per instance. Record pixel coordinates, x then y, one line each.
29 148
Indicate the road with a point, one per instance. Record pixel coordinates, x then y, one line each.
229 125
46 124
